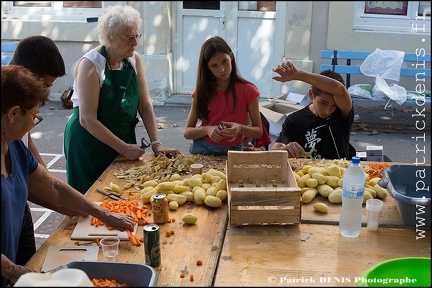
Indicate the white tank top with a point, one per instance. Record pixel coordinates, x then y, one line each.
99 61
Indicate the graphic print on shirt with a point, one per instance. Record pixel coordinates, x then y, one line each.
311 137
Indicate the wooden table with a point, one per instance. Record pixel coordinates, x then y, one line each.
308 254
179 252
313 253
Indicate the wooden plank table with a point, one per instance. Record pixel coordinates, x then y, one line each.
307 254
389 216
313 253
179 252
310 254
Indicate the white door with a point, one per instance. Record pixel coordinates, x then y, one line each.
247 28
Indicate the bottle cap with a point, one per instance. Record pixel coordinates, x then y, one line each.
355 160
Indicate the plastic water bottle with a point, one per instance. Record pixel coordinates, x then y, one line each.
352 199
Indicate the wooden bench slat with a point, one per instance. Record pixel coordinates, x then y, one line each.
5 59
7 49
347 69
361 55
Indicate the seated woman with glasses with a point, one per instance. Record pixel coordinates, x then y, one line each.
24 179
110 86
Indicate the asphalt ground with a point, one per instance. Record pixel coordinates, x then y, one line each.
393 128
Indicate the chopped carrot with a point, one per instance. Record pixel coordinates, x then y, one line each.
132 239
375 169
99 282
138 214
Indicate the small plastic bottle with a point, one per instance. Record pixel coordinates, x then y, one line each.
352 199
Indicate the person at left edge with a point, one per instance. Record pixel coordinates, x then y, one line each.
110 86
24 179
41 55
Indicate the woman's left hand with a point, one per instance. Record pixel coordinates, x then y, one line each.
118 221
231 130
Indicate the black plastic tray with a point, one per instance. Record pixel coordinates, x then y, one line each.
135 275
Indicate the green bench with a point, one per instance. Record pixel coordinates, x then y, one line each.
417 66
7 50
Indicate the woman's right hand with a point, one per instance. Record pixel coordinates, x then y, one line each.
295 150
133 151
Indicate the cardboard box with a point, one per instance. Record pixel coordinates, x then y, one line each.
374 153
362 155
276 111
301 99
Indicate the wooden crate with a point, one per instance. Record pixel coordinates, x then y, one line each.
262 189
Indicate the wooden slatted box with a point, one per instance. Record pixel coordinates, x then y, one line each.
262 189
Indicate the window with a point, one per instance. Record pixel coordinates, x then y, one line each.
257 6
393 16
55 10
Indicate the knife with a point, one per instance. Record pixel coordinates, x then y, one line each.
112 195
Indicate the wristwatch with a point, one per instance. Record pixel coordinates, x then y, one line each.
155 142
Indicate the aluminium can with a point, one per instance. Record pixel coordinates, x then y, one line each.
158 208
152 252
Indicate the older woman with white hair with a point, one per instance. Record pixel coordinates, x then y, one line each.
110 86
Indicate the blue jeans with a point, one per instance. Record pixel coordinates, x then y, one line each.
201 146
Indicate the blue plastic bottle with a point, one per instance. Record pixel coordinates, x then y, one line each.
352 199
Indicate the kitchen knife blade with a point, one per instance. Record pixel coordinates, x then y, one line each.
110 195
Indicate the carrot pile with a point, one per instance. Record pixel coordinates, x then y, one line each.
99 282
129 207
375 169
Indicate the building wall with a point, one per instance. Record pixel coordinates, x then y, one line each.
310 27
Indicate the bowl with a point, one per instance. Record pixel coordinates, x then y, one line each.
135 275
398 272
409 186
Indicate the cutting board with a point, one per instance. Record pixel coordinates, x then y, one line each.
57 256
85 231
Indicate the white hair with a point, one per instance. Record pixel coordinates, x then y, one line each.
115 19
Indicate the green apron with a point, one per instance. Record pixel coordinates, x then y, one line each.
87 157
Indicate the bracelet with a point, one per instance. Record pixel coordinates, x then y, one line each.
155 142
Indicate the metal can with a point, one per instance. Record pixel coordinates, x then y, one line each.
152 252
158 207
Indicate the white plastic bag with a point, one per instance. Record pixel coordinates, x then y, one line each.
394 91
384 63
70 277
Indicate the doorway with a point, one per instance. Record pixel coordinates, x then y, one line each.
247 26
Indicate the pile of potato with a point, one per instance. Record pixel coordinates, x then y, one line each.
208 188
327 181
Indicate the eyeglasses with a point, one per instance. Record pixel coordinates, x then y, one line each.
132 38
36 118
